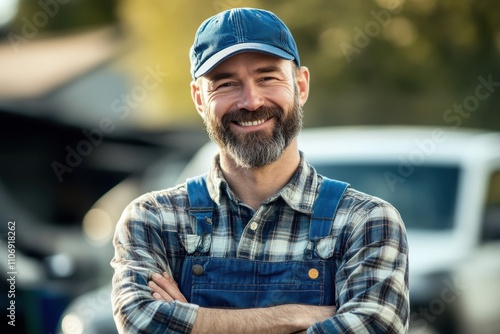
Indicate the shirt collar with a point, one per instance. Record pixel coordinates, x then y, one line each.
299 193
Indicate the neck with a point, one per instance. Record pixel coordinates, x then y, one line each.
255 185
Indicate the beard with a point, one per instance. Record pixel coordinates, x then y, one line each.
257 148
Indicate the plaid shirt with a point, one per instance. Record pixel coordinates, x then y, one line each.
368 244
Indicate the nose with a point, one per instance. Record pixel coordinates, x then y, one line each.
251 97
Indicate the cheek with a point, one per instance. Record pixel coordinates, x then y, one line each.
212 114
283 98
217 107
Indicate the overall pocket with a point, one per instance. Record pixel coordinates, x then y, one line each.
237 283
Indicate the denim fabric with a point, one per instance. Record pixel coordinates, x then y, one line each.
243 283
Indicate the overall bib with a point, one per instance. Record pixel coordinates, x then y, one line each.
243 283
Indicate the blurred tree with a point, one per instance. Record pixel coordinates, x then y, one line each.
60 15
372 61
164 31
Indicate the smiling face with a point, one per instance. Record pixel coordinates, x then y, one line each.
252 106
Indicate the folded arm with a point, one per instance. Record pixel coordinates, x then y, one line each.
289 318
142 308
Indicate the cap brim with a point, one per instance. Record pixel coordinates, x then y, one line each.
222 55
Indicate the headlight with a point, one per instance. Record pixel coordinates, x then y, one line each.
72 324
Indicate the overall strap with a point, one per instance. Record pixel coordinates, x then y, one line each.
201 205
325 207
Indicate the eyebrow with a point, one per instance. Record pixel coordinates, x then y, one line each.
221 76
261 70
269 69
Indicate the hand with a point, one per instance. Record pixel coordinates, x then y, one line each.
165 288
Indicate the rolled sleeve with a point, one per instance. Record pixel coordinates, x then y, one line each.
372 277
140 252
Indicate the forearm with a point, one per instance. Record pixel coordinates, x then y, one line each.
291 318
140 251
135 311
372 277
363 318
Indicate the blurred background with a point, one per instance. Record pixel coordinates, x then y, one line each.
95 104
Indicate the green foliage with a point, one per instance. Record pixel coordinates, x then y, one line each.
372 61
66 14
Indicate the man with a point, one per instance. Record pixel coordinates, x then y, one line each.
262 243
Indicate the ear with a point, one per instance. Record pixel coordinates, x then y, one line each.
302 79
196 96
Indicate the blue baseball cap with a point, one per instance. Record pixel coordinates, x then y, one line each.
240 30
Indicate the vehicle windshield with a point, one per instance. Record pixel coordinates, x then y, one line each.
425 196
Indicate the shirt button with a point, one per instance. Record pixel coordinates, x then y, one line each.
313 273
253 226
197 270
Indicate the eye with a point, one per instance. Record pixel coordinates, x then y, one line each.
268 79
225 84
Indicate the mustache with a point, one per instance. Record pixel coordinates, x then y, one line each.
244 115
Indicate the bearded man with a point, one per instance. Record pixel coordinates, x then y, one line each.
261 243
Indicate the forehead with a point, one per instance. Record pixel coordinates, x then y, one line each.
251 62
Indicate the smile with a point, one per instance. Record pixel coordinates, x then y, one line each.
252 123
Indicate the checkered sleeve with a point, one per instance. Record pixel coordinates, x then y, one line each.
372 274
140 252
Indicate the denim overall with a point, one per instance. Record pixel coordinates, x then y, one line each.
242 283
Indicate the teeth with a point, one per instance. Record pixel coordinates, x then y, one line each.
254 123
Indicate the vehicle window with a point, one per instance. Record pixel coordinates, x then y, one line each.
425 197
491 221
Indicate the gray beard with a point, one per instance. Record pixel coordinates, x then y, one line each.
256 149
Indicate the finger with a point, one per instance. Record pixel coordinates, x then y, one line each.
159 293
174 290
168 284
